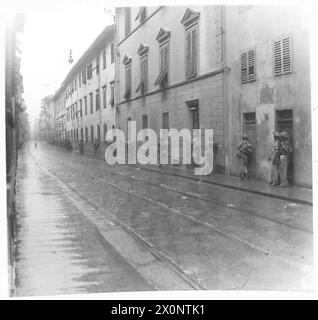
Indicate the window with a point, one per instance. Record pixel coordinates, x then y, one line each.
84 76
92 134
249 118
104 59
86 134
97 99
91 101
191 51
127 63
248 73
145 121
112 94
97 65
163 39
82 134
75 108
144 74
282 56
127 20
85 105
89 72
79 80
105 131
98 132
112 53
75 84
165 120
81 108
143 84
104 97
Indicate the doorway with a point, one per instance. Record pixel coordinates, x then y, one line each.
284 122
249 128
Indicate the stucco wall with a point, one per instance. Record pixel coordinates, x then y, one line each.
257 28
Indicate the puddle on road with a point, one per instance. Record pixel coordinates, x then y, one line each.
56 248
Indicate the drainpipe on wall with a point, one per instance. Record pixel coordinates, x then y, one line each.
116 61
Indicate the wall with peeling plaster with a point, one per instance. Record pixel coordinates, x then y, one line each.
257 28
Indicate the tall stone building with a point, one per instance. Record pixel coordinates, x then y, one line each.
171 70
85 102
235 69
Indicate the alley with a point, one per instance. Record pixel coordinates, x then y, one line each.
84 226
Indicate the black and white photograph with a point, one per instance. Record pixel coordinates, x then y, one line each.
158 148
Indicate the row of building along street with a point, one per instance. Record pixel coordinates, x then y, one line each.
83 225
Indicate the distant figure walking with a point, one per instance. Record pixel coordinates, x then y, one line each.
35 145
244 153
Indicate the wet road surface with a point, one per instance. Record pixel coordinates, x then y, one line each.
202 236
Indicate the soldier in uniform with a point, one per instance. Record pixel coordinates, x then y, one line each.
284 155
244 153
275 160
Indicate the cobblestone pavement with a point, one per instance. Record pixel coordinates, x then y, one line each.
167 231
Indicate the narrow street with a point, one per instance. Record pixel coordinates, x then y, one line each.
83 226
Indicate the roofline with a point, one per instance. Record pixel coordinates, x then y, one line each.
105 37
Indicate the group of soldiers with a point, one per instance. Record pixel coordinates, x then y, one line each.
279 159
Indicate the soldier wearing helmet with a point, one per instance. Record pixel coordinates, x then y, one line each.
275 160
244 153
284 155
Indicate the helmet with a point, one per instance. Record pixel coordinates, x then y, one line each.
244 136
276 134
284 135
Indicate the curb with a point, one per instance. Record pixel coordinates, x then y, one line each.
266 194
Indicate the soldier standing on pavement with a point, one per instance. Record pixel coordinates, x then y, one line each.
244 153
275 160
284 155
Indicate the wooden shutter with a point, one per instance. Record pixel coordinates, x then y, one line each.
244 76
282 56
188 54
251 65
286 55
277 57
194 52
248 66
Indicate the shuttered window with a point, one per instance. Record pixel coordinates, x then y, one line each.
282 56
104 97
164 56
85 104
127 82
104 59
191 51
112 53
91 101
248 73
97 99
144 74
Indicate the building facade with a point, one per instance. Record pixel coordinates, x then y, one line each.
85 102
233 69
268 86
171 70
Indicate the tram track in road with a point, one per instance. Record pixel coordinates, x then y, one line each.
209 200
187 216
158 254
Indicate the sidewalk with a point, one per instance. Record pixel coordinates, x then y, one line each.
293 194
